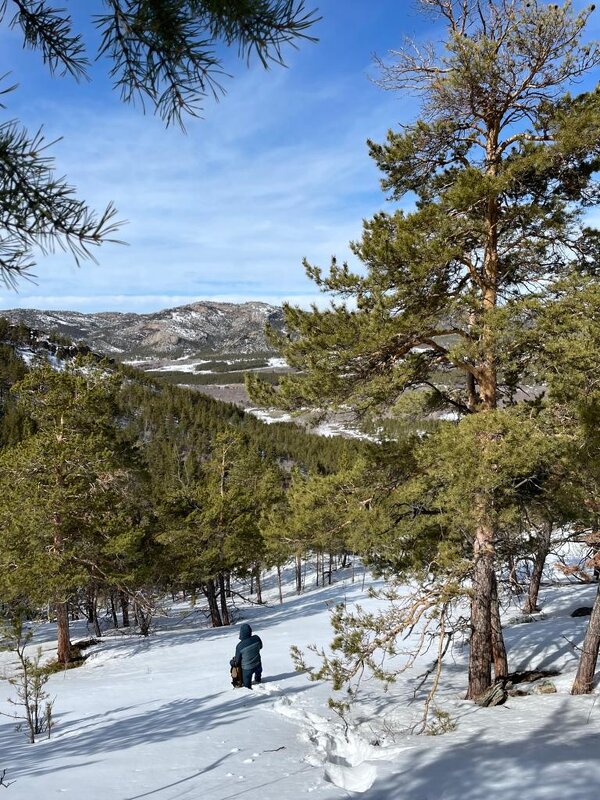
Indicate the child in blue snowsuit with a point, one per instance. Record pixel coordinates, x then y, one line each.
247 656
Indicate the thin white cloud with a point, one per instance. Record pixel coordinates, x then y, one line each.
141 303
229 210
276 172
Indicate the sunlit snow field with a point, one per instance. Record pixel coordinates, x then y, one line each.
157 717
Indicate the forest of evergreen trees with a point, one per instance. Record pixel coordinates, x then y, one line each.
473 320
118 488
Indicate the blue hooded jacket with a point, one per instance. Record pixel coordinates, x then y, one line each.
247 653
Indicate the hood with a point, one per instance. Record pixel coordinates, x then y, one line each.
245 631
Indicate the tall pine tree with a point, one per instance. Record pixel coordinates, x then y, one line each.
500 165
66 491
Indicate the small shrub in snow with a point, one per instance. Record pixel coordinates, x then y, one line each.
441 723
3 781
525 619
29 681
545 687
54 665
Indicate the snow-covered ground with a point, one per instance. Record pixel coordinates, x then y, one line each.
192 365
270 415
333 428
278 363
157 718
328 428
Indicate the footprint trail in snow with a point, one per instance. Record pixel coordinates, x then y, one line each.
346 758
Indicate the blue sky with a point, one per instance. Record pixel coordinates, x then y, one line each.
277 171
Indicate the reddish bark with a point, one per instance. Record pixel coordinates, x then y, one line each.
530 606
64 652
498 648
584 680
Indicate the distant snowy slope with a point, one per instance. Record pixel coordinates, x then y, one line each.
198 327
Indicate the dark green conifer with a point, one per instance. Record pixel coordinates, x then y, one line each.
500 164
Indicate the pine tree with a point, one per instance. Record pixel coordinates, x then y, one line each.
212 522
501 163
321 514
568 324
65 491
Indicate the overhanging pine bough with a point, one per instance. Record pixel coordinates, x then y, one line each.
163 54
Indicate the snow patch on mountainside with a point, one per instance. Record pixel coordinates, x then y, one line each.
186 330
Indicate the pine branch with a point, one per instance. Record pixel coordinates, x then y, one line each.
165 52
50 31
40 210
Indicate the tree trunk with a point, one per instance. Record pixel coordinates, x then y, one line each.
472 395
124 608
211 595
63 652
96 623
258 585
530 606
89 607
92 611
143 619
223 598
498 648
298 573
513 579
113 610
584 680
480 653
279 584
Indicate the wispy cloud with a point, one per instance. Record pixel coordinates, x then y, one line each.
229 210
276 172
144 303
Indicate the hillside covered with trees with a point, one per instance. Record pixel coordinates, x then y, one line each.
117 487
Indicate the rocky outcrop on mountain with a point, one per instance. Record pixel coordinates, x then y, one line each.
203 327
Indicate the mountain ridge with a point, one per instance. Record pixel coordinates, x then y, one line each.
204 326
